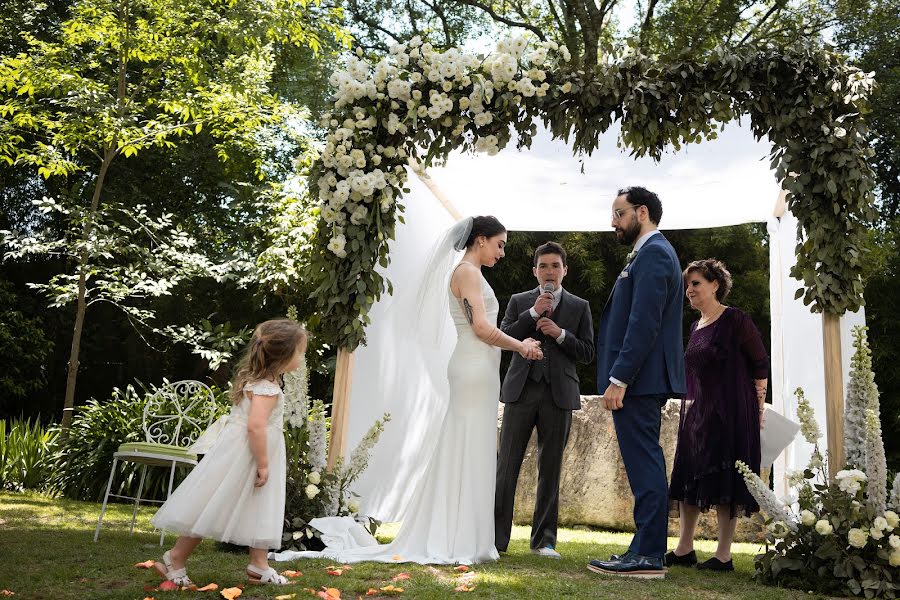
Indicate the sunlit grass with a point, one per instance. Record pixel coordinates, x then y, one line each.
46 551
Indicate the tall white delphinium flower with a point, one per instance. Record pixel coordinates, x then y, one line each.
862 394
359 458
808 425
876 465
318 442
296 396
768 503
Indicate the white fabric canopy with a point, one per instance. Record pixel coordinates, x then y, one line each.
715 184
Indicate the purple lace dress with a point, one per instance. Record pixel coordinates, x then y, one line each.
719 420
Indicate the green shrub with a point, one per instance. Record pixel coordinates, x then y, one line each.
26 455
97 431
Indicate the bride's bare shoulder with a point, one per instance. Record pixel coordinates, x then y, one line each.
464 274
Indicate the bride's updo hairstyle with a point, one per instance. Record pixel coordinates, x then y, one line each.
487 226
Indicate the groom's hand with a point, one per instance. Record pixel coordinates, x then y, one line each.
613 397
548 327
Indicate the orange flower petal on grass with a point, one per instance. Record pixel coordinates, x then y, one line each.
167 586
231 593
147 564
391 589
292 574
285 597
400 577
329 593
372 592
464 588
462 568
210 587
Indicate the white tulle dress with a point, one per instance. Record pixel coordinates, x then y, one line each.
218 498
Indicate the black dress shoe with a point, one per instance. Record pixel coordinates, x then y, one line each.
635 565
685 560
714 564
624 556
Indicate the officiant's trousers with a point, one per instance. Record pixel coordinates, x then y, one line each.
534 409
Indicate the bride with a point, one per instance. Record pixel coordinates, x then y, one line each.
450 516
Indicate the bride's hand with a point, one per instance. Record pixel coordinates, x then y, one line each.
531 349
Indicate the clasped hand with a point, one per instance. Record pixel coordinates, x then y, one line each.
531 349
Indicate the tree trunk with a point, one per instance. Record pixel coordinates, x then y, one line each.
81 306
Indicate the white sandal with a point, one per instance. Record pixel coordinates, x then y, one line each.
177 576
267 575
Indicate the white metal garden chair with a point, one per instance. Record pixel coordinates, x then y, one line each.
174 418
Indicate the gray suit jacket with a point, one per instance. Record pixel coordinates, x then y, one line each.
572 314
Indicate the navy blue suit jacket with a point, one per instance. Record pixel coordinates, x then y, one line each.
640 340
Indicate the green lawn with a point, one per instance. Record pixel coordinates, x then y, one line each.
46 551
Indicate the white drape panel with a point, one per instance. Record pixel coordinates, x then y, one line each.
394 373
798 356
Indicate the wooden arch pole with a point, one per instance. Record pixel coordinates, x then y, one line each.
340 406
343 373
834 391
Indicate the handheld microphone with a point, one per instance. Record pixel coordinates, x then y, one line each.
548 287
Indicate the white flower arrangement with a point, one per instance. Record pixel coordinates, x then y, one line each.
457 94
839 539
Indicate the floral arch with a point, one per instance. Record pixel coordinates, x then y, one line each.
420 103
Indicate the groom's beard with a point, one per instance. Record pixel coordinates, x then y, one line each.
627 236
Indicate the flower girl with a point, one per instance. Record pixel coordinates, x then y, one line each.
236 493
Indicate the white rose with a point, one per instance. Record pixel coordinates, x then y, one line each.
857 537
892 519
314 477
894 541
353 506
823 527
566 87
311 491
808 518
880 523
876 533
839 132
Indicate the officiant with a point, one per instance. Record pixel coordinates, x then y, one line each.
541 394
727 371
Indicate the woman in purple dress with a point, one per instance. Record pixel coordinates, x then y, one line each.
721 415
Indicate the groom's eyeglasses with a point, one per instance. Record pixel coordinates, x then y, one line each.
617 213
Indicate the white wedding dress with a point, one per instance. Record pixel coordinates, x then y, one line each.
450 518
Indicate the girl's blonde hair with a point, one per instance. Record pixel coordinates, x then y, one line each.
271 348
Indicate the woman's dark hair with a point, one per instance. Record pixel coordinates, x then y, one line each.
487 226
712 270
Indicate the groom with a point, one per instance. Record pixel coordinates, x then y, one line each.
541 393
640 364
